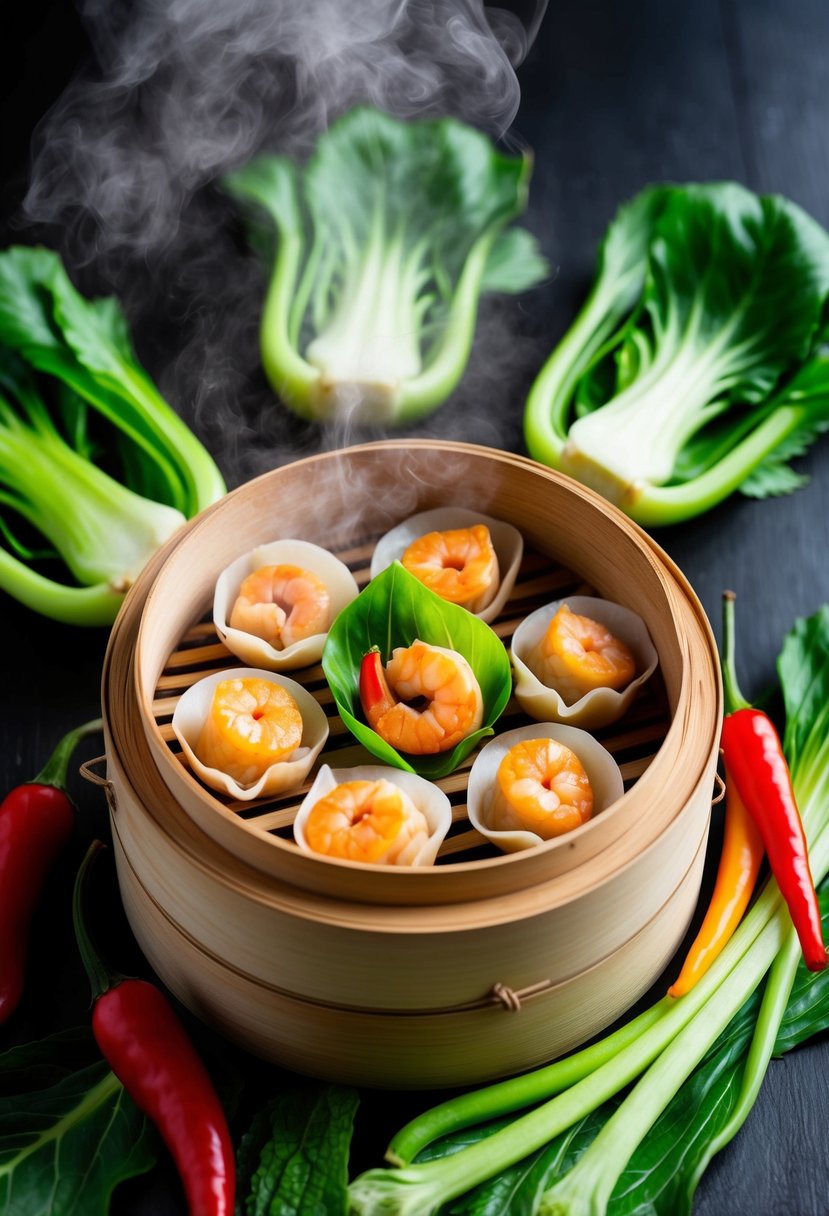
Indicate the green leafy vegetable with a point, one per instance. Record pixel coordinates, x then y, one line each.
707 376
68 1131
394 610
385 241
597 1147
294 1159
51 475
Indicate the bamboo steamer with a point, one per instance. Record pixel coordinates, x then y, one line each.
484 964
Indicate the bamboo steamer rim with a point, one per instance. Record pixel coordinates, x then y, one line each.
367 873
683 605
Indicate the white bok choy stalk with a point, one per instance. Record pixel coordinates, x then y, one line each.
385 241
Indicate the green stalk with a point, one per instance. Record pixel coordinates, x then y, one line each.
97 605
419 1190
658 506
733 699
585 1190
481 1105
55 769
287 371
775 999
547 409
101 977
102 530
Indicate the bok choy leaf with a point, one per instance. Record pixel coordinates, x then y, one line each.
709 377
70 384
385 241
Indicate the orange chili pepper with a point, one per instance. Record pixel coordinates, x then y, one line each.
742 853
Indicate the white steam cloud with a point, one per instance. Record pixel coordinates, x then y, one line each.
182 90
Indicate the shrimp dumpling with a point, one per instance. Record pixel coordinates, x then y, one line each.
371 821
426 701
251 724
537 783
467 558
282 605
541 786
460 565
581 661
249 733
273 606
373 815
577 654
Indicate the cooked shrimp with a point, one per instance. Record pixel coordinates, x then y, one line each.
542 787
578 654
282 605
367 821
252 723
427 700
459 565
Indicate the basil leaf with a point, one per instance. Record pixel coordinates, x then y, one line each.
69 1133
394 610
294 1159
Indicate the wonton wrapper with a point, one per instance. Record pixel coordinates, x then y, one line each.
283 775
600 706
602 772
339 582
426 796
507 542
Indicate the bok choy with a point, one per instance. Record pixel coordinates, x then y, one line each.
385 241
696 366
95 467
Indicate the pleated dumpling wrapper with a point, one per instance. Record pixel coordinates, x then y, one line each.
547 691
525 788
273 606
250 733
465 557
373 814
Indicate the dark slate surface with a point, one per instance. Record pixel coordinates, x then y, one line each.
615 95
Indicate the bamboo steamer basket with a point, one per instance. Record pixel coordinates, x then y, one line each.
484 964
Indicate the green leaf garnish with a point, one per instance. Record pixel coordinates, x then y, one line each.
394 610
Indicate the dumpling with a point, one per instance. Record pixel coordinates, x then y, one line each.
375 815
250 733
539 782
465 557
581 661
274 605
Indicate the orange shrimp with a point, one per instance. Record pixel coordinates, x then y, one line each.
251 724
371 821
459 565
578 654
282 605
543 788
448 699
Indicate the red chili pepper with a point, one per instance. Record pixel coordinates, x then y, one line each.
376 697
36 820
754 759
147 1048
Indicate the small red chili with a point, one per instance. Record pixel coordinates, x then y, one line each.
148 1049
755 762
36 821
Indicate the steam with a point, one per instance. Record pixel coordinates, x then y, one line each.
181 91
